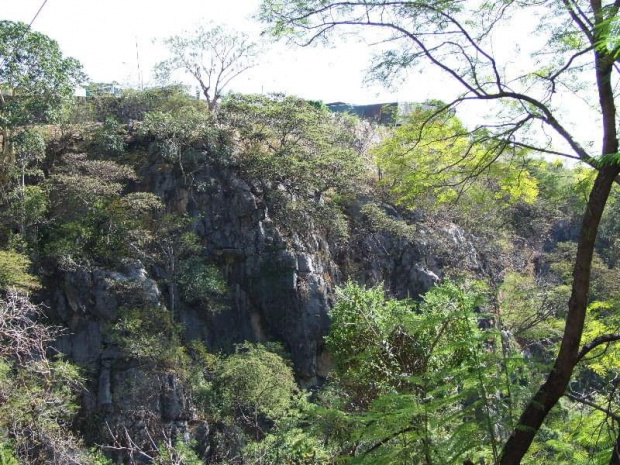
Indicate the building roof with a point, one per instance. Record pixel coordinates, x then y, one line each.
383 113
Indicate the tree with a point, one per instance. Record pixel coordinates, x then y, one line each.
14 272
303 154
178 133
423 164
576 41
420 381
293 143
256 384
90 217
37 395
27 204
35 78
214 57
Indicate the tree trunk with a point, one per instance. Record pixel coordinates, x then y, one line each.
6 156
554 387
615 453
206 91
557 381
5 132
5 145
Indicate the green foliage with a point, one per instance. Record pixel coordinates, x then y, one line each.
91 218
605 280
255 383
180 453
433 160
293 143
7 456
14 272
96 457
25 211
413 382
38 403
252 394
201 282
365 327
425 384
305 156
602 320
421 382
182 128
23 203
608 34
177 251
182 136
38 396
457 38
564 191
135 104
531 310
380 220
108 140
132 105
35 74
574 435
290 445
20 389
609 233
562 196
149 335
29 146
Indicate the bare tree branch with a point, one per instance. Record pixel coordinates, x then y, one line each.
214 57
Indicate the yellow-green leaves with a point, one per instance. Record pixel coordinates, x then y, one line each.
608 36
605 359
530 309
256 381
434 160
14 272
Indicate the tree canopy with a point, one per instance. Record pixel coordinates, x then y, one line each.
576 49
168 229
432 159
213 56
35 77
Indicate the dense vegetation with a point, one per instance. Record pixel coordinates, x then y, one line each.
438 379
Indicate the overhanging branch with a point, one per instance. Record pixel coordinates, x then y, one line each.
605 339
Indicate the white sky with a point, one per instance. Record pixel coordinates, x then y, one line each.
102 35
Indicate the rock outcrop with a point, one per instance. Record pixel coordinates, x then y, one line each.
281 285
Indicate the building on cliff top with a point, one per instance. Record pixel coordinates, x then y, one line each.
392 113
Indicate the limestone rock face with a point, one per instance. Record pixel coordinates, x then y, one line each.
281 283
119 392
281 287
87 300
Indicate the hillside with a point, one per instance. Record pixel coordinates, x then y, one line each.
191 262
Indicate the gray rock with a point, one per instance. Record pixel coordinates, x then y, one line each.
281 288
104 390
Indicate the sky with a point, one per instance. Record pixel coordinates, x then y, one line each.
117 40
111 38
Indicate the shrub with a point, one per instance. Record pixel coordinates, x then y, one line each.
255 384
14 271
109 138
201 282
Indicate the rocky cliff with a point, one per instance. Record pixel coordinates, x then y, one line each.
281 286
